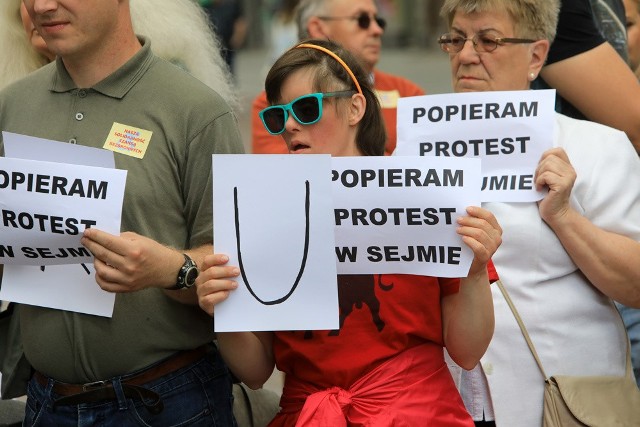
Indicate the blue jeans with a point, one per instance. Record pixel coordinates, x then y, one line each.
196 395
631 318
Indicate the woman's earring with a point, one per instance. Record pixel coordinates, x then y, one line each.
532 76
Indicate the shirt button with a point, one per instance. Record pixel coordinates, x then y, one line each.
82 93
79 116
73 141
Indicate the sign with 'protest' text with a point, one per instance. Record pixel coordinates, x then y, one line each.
508 130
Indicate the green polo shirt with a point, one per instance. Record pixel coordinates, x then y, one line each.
168 198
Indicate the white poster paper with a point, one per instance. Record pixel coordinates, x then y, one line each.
31 148
398 214
273 218
62 287
509 130
45 207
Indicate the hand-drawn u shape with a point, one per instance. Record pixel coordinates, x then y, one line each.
304 255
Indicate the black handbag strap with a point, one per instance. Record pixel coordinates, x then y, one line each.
532 348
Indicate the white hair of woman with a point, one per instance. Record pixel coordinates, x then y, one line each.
179 31
19 58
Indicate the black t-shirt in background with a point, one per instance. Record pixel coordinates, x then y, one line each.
577 33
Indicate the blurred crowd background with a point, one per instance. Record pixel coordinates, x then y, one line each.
410 23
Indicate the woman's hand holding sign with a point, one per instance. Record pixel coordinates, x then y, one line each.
556 173
482 233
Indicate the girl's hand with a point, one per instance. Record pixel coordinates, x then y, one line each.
482 233
215 282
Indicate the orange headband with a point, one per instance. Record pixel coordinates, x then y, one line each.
337 58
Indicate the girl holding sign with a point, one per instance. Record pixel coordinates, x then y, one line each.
385 366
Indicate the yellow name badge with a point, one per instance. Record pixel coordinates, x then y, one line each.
388 98
128 140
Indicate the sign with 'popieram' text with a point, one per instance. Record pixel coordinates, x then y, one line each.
398 214
46 207
508 130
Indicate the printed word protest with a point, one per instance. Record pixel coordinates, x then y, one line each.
476 147
45 223
395 216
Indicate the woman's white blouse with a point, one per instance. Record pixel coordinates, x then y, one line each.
575 328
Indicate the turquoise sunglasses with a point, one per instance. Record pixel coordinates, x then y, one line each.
306 109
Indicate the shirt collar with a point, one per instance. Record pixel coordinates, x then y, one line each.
118 83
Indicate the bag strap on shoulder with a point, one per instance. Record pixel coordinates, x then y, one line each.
523 329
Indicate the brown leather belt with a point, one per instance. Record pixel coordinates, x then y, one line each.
75 394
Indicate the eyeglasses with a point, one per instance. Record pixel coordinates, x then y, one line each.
364 20
306 109
453 43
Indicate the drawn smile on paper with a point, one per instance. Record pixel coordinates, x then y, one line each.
304 255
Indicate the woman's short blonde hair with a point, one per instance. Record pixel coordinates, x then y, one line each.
536 19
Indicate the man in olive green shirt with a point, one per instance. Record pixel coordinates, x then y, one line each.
153 360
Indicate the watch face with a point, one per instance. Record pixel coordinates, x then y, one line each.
191 276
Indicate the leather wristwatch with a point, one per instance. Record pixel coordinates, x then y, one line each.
187 274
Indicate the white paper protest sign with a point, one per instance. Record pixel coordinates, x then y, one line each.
508 130
45 207
28 147
69 287
62 287
273 217
398 214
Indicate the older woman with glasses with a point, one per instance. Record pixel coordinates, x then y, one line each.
565 258
384 371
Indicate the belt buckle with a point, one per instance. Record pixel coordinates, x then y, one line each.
94 385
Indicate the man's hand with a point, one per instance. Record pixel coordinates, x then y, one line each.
131 262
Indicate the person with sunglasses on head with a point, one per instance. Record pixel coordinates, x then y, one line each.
565 258
356 25
388 370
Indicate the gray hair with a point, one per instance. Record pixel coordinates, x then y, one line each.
536 19
305 10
